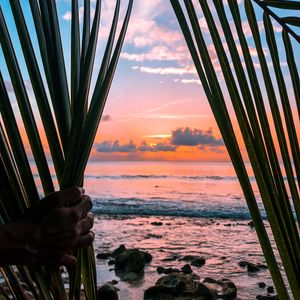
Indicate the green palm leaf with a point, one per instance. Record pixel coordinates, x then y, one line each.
245 94
64 127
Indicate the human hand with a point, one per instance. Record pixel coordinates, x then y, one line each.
52 229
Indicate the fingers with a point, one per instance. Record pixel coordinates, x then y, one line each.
68 260
70 197
85 225
80 210
86 240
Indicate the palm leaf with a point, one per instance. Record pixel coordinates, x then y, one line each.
69 107
244 90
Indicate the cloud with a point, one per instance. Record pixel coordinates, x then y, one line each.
157 147
110 147
67 16
156 53
195 137
188 81
106 118
115 147
168 70
10 88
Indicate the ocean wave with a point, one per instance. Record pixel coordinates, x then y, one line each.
136 206
140 176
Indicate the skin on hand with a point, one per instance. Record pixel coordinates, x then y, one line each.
50 231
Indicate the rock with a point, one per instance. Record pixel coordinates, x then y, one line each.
261 266
131 261
156 223
162 270
225 288
173 282
210 280
111 262
186 269
157 293
118 251
229 290
251 224
131 276
270 289
195 260
114 282
252 268
153 236
198 262
178 286
262 285
104 255
243 263
107 292
268 297
171 258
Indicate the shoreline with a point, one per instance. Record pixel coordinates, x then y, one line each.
222 242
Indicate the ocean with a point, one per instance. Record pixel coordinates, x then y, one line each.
201 209
189 189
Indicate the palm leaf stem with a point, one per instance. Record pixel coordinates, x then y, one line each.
17 146
25 108
60 99
293 69
284 95
266 9
221 114
75 53
85 30
277 173
39 89
98 100
81 100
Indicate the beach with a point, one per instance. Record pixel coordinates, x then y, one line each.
223 244
173 209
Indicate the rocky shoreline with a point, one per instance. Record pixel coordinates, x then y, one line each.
176 283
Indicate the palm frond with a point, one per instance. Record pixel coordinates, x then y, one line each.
241 78
66 127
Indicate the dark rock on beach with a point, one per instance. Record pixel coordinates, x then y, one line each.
162 270
243 263
225 288
153 236
104 255
171 258
270 289
178 286
132 260
262 285
251 224
107 292
252 268
156 223
197 261
130 263
186 269
118 251
268 297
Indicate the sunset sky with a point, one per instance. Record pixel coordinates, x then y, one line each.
156 109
